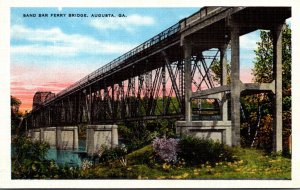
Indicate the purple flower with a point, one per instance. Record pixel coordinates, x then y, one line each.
166 149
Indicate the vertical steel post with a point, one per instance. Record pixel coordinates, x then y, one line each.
163 73
113 101
49 116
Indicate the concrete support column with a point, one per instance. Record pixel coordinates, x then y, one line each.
114 136
223 58
235 83
67 137
99 135
35 134
49 135
187 80
90 140
42 134
277 75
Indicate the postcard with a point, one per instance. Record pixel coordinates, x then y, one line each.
149 95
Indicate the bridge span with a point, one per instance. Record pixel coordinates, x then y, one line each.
168 75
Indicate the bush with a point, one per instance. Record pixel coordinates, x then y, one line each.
29 162
196 151
166 149
106 154
135 136
28 158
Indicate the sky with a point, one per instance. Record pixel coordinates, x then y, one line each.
50 53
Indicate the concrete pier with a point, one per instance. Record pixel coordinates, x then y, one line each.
35 134
215 130
98 135
49 136
67 137
60 137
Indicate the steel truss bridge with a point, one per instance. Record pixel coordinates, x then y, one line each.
163 76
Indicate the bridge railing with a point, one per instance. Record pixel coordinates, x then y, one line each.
118 61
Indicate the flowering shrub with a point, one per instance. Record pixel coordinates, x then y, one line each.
166 149
86 164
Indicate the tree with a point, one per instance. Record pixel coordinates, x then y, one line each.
15 113
15 104
217 72
263 63
261 124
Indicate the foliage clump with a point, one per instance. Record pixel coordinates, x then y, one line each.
29 161
106 154
137 135
15 113
191 150
196 151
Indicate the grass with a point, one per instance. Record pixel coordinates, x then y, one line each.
141 164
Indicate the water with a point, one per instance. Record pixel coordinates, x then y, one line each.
68 157
72 158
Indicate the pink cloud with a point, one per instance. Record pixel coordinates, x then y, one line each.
26 81
20 91
246 75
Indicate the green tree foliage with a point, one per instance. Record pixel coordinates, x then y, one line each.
263 63
136 134
15 113
197 151
29 161
257 126
28 157
217 72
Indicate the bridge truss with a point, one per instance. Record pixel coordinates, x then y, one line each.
153 94
161 77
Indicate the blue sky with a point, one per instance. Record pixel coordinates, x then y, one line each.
99 39
50 53
44 40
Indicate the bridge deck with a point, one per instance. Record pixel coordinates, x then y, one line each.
148 51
